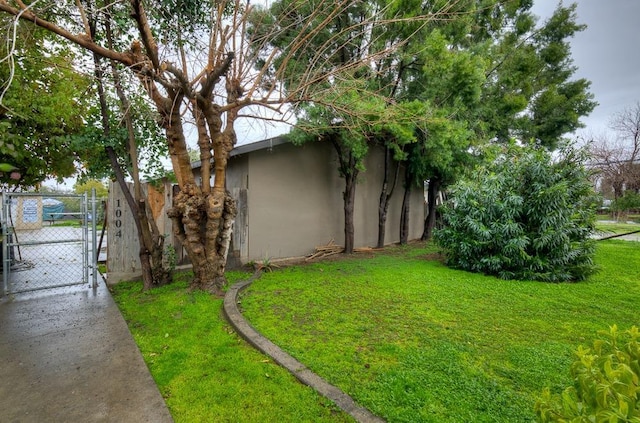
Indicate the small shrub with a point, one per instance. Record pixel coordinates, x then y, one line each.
606 385
169 258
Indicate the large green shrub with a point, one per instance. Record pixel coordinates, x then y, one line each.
606 383
526 215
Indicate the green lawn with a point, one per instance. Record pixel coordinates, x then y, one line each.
204 371
404 335
609 228
415 341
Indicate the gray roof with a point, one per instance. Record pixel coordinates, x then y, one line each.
248 148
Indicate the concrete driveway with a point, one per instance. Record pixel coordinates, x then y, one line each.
66 355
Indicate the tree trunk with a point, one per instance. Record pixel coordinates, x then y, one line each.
203 223
349 196
349 171
404 215
143 253
385 196
430 221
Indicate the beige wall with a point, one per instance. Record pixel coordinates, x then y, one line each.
294 201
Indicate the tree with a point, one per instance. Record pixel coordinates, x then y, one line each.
135 136
205 73
439 157
88 186
527 91
42 100
530 93
523 216
487 74
352 138
617 159
382 116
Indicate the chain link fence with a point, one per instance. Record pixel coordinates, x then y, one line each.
47 241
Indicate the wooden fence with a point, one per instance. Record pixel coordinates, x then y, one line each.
123 247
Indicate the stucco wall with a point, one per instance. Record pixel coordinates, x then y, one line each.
294 201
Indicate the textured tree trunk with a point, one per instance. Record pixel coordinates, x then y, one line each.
385 196
203 215
404 215
143 253
349 196
430 221
199 220
406 205
349 171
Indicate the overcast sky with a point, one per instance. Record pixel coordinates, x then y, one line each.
606 53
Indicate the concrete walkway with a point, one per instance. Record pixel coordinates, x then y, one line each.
301 372
66 355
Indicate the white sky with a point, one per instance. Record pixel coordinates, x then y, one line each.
606 53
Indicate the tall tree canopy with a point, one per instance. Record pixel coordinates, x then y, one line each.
42 101
531 93
360 108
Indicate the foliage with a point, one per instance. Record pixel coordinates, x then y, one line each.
606 383
150 143
530 93
523 216
170 258
415 341
41 106
506 77
629 201
355 119
86 187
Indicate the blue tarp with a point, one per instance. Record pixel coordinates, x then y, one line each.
50 206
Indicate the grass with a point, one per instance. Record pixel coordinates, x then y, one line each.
616 228
204 371
415 341
73 223
404 335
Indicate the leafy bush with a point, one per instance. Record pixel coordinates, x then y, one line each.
606 383
629 201
523 216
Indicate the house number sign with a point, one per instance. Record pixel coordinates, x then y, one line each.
118 220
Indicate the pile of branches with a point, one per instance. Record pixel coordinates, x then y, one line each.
322 251
332 248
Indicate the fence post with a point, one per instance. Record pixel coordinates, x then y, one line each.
6 259
94 243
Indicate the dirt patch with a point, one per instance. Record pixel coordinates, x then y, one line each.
435 257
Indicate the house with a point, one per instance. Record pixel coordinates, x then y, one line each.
290 200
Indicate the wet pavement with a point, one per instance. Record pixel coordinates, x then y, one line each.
48 257
66 355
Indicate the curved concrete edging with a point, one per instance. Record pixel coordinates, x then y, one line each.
300 371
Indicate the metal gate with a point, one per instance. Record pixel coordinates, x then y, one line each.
48 241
